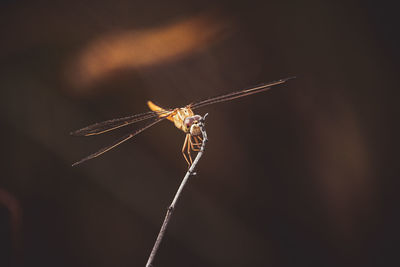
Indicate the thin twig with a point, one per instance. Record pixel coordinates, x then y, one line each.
178 193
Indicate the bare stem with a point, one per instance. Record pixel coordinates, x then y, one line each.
178 193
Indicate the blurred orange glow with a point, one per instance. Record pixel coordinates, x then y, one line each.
141 48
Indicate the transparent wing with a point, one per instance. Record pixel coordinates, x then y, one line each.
119 141
238 94
109 125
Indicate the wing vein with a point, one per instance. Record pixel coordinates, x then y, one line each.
109 125
119 141
237 94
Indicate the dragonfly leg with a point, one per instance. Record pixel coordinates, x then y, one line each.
189 147
183 148
195 144
199 141
196 141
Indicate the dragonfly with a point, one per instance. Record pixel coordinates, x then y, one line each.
183 118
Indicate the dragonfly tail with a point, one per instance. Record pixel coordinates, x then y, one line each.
159 109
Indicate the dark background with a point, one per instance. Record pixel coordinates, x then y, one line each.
303 175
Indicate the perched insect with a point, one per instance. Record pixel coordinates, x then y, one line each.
183 118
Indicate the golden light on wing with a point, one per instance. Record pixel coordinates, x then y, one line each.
141 48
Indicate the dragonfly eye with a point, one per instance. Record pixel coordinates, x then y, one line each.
197 118
188 121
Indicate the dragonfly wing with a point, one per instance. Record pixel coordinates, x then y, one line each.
109 125
238 94
118 142
231 97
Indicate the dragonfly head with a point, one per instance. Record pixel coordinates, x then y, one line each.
195 129
192 124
